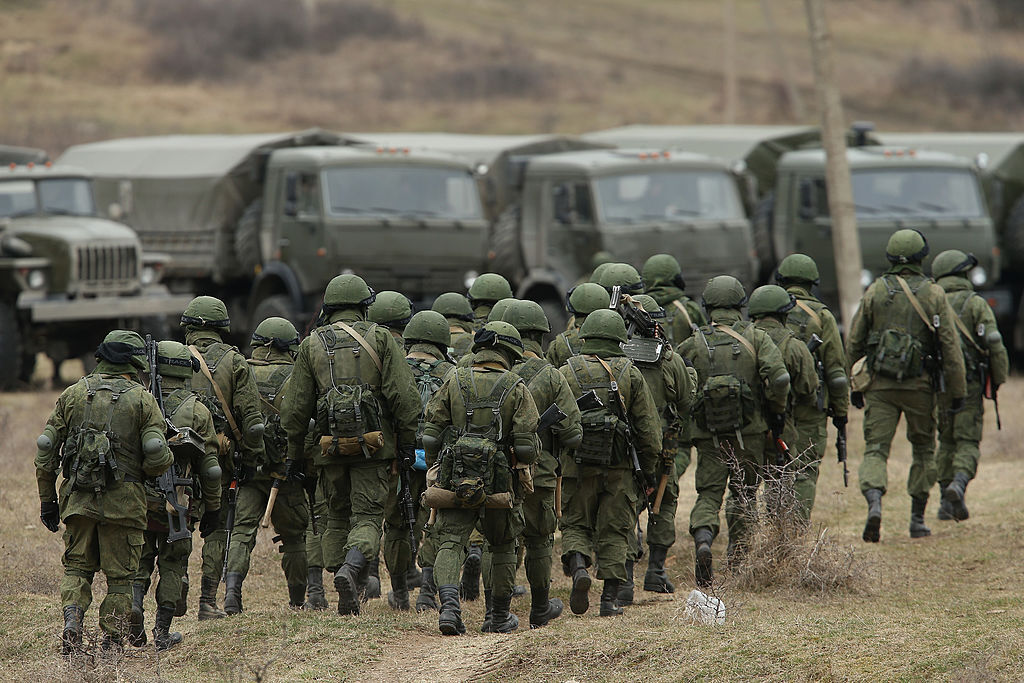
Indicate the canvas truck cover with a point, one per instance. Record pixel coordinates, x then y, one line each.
21 155
183 194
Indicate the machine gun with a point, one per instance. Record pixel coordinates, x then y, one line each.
647 339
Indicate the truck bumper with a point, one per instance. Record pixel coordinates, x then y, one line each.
44 310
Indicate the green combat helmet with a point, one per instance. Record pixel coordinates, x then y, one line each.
173 359
206 311
604 324
906 246
527 316
489 288
499 334
348 291
391 309
586 298
797 269
601 258
662 269
650 305
723 291
499 309
453 305
429 327
953 262
768 300
595 275
276 332
123 347
622 275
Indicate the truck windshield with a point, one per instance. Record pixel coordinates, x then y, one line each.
61 196
668 195
414 191
916 192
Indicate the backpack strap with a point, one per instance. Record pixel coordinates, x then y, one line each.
220 394
915 303
362 342
963 328
809 311
614 385
685 313
742 339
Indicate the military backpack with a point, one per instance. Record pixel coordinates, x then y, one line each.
726 403
604 430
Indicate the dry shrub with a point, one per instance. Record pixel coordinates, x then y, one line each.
508 71
996 82
782 551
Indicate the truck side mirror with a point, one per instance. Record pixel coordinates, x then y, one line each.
291 194
806 189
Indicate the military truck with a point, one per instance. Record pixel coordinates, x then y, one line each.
555 201
265 221
67 276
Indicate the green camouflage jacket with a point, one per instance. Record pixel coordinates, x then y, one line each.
978 319
810 317
681 312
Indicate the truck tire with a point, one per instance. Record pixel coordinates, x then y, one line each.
761 224
247 238
277 305
557 317
506 251
1013 236
11 369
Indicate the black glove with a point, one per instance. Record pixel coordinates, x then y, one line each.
245 474
957 405
293 471
839 421
309 481
650 481
857 399
209 522
49 513
407 456
777 423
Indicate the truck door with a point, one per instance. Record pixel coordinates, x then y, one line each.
300 221
571 237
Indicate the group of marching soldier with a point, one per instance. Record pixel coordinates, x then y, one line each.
453 443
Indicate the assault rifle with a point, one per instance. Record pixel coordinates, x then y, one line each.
408 505
841 453
229 523
177 514
638 321
552 416
813 344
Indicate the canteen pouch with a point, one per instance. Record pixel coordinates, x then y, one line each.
725 406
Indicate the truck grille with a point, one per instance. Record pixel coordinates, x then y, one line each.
107 269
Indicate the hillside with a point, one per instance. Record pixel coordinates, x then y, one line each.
129 67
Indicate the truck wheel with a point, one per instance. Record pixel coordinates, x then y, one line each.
278 305
761 224
247 237
505 246
1013 236
11 369
557 317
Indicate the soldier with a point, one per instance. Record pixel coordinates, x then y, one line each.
581 301
274 344
487 290
225 385
621 275
426 340
493 421
663 280
352 376
548 387
595 275
987 367
459 314
596 261
768 307
905 330
601 497
105 435
673 388
798 273
742 387
174 363
393 310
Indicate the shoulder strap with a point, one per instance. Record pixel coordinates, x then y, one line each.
362 342
963 328
737 336
809 311
915 303
686 314
220 394
615 385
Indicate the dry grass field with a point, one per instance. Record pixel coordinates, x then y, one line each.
947 607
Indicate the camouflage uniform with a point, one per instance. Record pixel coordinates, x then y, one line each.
581 301
102 501
459 314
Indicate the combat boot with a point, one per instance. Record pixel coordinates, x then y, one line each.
208 600
71 636
502 619
316 599
449 621
488 612
542 607
609 604
518 590
398 596
702 569
111 647
427 598
917 527
625 596
181 608
471 573
656 579
163 636
579 598
297 595
413 577
346 581
873 526
233 593
137 620
945 512
954 495
369 580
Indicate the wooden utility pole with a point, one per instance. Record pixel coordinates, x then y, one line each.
782 62
732 90
845 240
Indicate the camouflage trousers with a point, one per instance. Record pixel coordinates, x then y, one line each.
91 546
501 529
289 518
314 544
356 494
598 515
731 466
960 435
215 543
397 553
171 559
882 412
805 435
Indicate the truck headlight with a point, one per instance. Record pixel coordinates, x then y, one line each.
149 275
979 276
866 278
36 279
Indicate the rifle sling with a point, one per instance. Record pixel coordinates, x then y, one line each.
737 336
220 394
362 342
686 314
916 304
809 311
967 334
